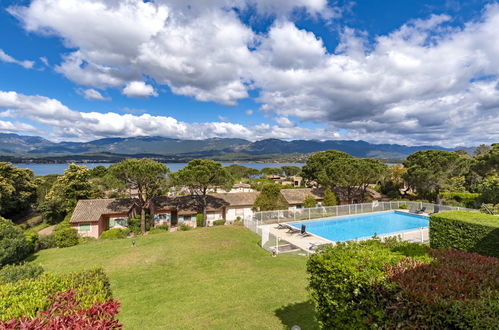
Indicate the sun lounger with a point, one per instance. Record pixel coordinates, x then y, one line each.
314 246
282 226
303 231
422 210
292 230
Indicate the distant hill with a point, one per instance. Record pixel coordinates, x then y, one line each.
18 147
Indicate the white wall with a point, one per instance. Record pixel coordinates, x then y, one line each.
238 211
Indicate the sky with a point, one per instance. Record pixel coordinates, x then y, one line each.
411 72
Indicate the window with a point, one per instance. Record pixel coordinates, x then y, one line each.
298 206
117 222
162 217
84 228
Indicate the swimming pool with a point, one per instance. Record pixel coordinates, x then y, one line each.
347 228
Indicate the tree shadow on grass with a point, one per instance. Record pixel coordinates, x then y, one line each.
301 314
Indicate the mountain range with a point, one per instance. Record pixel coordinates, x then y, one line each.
19 148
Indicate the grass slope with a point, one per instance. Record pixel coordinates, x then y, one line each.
216 278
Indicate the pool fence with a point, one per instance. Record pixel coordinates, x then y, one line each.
276 242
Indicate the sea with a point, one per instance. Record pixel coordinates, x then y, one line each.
45 169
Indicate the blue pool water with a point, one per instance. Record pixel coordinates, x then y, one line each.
347 228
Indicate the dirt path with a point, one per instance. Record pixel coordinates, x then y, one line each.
46 231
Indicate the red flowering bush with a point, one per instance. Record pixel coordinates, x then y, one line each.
457 290
66 312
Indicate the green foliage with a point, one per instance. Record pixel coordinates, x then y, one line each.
270 199
66 237
487 163
199 220
184 227
219 222
66 191
239 172
309 201
17 189
355 174
14 247
98 172
14 273
403 207
43 186
134 224
330 198
315 166
146 176
485 208
266 171
199 175
469 231
465 198
115 233
489 190
290 170
346 281
47 242
429 171
28 297
159 229
258 184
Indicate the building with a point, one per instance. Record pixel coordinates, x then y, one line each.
240 204
91 217
94 216
296 197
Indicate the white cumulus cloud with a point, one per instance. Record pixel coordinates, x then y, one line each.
139 89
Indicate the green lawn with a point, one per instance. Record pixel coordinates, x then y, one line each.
216 278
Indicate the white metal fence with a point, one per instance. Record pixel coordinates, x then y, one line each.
271 242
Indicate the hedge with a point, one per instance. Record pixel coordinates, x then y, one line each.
28 297
219 222
469 231
346 281
15 273
467 199
115 233
403 285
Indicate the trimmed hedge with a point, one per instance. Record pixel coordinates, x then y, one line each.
115 233
15 273
374 285
28 297
469 231
467 199
219 222
346 281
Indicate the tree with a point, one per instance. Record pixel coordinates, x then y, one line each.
353 174
330 198
98 172
239 172
67 190
429 171
309 201
270 199
198 176
266 171
17 189
144 178
290 170
482 149
14 247
314 169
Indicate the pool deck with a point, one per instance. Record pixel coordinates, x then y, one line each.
419 235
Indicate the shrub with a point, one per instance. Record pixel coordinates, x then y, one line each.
184 227
14 273
346 281
14 246
67 312
330 198
219 222
469 231
445 293
464 198
47 242
199 220
403 207
134 224
33 239
403 285
115 233
28 297
238 221
66 237
159 229
309 202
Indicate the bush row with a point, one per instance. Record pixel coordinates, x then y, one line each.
15 273
469 231
403 285
28 297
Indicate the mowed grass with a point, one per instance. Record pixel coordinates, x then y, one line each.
210 278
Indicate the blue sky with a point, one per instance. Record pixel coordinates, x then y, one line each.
411 72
